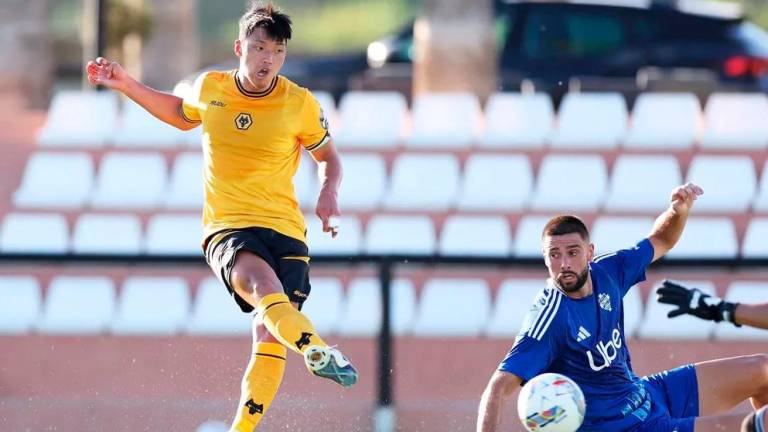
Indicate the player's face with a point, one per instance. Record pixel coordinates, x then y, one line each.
567 257
261 58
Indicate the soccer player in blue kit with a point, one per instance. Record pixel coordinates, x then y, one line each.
576 328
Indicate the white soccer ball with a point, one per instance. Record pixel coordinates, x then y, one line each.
551 402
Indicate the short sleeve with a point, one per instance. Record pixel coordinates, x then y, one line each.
190 106
313 133
628 265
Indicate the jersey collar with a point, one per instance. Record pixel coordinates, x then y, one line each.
261 94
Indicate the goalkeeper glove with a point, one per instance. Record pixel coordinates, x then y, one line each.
695 302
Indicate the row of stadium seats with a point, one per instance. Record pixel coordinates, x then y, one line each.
704 237
454 120
163 306
487 182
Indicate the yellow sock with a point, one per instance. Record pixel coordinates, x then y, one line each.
260 383
287 324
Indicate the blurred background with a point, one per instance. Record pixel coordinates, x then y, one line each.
463 126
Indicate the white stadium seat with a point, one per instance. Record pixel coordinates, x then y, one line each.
513 301
760 203
736 120
495 182
137 128
324 305
664 121
107 234
349 240
55 180
305 183
371 119
441 300
656 325
20 304
130 180
34 233
642 183
633 311
527 238
174 235
365 181
584 175
733 195
186 189
78 305
515 120
215 312
151 306
704 237
755 244
193 138
743 292
444 120
475 235
590 120
400 235
79 119
361 315
611 233
423 182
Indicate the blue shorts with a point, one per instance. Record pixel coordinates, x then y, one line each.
675 396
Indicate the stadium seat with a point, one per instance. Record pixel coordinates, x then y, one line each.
186 190
55 180
734 195
735 120
328 106
214 312
527 238
441 301
513 301
633 311
570 182
444 120
34 233
365 180
20 304
707 237
193 138
744 292
78 305
423 182
130 180
371 119
137 128
305 183
349 241
151 306
761 199
612 233
361 315
475 235
664 121
174 235
642 183
495 182
755 244
400 235
515 120
107 234
656 325
79 119
324 304
590 120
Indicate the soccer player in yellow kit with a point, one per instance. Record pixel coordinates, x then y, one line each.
255 124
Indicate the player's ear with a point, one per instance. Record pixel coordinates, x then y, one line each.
238 47
590 251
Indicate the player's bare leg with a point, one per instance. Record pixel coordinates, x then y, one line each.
721 423
725 383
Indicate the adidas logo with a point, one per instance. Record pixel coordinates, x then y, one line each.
583 334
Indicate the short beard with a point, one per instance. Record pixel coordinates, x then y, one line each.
581 279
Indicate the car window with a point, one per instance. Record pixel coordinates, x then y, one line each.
567 33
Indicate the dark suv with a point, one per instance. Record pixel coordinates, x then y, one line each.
606 47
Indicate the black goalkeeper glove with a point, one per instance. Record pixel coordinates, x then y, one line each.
694 301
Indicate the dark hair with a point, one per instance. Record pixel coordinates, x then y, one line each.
565 224
275 22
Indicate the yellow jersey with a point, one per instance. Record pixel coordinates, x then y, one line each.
251 150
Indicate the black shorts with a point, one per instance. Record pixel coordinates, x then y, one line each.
287 256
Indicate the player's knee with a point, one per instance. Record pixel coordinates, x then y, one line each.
757 367
251 283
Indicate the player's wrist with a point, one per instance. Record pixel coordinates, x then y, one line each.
727 311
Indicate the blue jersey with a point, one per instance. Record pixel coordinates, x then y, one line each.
584 340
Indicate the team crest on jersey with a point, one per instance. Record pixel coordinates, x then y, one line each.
605 301
243 121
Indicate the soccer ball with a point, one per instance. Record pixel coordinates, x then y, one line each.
551 402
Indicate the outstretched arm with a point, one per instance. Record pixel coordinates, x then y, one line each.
500 387
669 225
164 106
